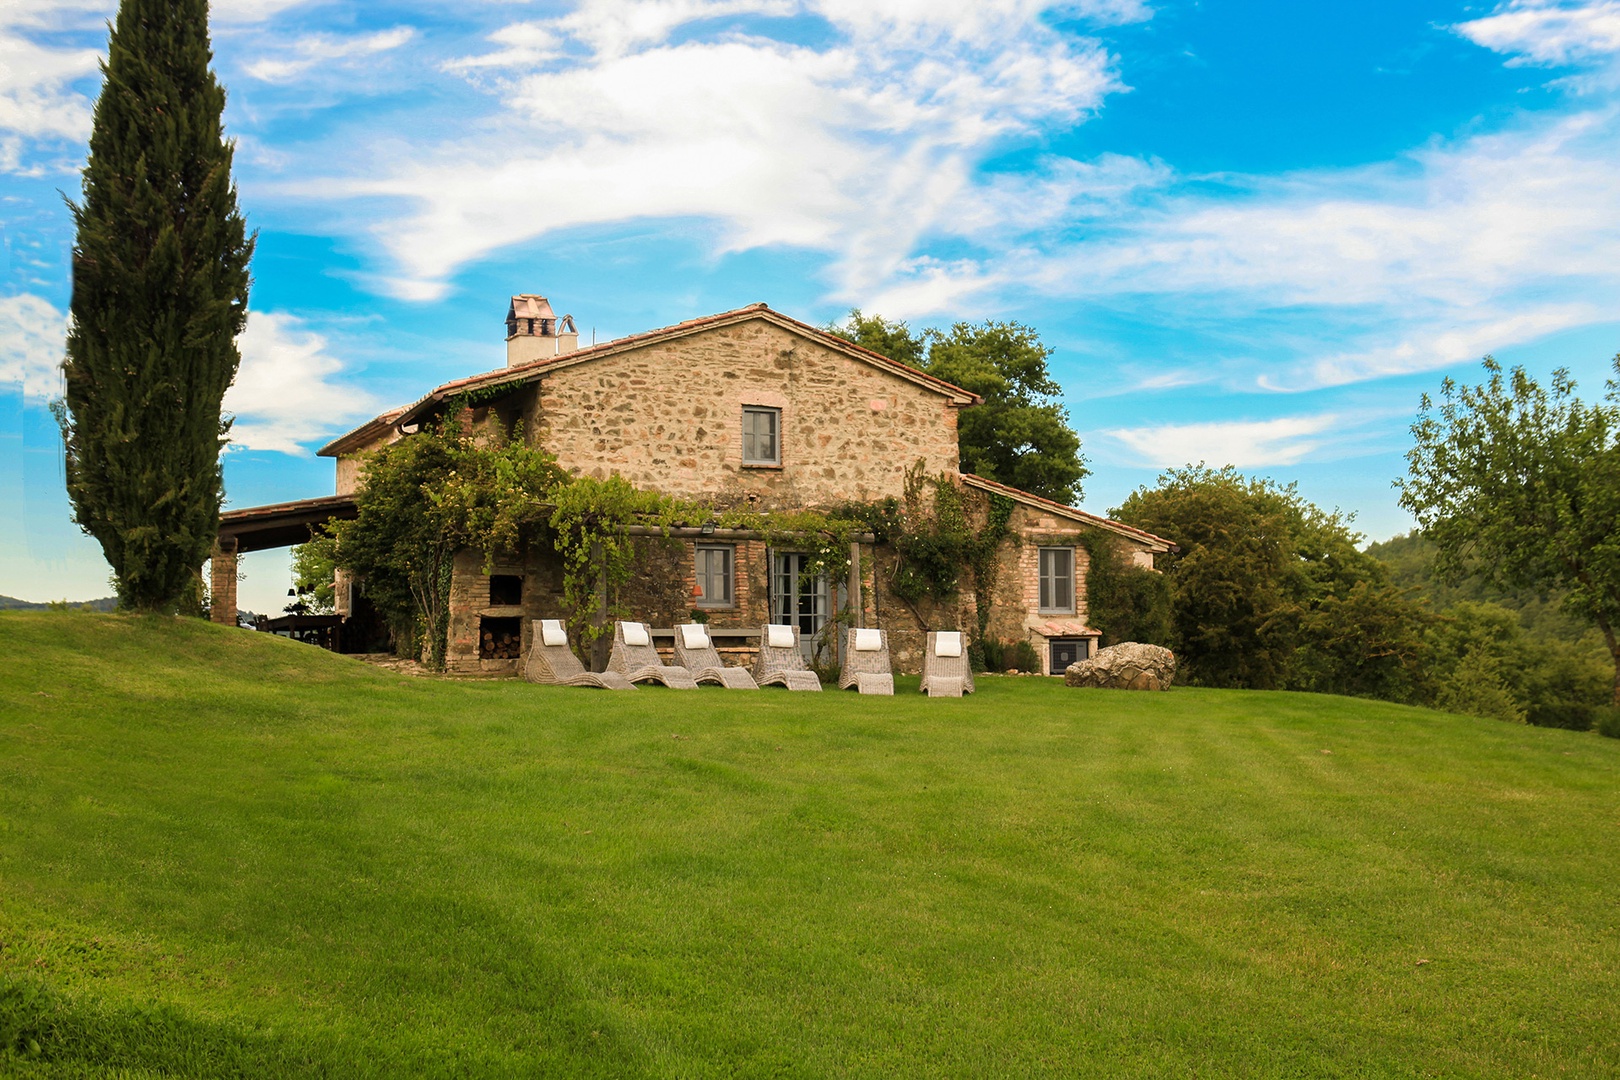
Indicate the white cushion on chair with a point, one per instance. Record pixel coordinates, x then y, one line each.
635 633
779 637
868 640
948 643
552 632
694 636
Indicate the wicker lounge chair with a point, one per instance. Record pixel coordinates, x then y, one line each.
780 663
552 663
697 654
946 671
634 657
866 663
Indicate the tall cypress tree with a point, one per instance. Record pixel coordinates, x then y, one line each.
160 288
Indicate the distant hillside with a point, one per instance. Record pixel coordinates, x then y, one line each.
1410 559
11 603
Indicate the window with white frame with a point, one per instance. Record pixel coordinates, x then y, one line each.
714 575
762 435
1057 580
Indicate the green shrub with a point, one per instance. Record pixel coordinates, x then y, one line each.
1607 721
1025 658
1570 715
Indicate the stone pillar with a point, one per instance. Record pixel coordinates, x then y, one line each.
222 582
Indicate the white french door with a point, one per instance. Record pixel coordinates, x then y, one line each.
799 599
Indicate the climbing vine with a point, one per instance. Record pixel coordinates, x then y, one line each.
590 525
453 487
937 534
1125 602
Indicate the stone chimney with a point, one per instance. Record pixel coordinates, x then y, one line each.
534 332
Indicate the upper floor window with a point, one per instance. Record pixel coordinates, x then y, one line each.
714 575
1057 580
762 442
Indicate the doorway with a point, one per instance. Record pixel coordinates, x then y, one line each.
799 598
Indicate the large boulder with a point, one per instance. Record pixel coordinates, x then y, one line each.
1126 666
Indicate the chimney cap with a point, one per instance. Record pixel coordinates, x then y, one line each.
530 306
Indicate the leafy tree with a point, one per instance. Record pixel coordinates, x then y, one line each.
427 497
1523 487
160 289
314 568
892 339
1268 591
1021 434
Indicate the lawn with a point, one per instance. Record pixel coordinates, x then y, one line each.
225 854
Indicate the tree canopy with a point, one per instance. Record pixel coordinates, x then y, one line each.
1270 592
1521 485
1021 434
160 290
427 497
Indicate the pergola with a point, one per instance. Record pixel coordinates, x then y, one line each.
259 528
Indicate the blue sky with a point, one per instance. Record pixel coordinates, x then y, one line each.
1255 232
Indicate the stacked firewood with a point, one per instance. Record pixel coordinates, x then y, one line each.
500 646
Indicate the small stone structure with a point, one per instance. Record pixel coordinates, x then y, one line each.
1127 666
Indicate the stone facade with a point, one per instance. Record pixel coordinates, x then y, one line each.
665 410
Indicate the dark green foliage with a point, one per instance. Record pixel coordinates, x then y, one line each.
1521 486
424 499
892 339
1124 602
1020 435
160 289
1410 560
1269 592
1607 721
1024 657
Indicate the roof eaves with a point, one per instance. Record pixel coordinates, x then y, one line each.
1130 532
363 434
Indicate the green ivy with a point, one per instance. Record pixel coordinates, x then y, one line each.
1123 601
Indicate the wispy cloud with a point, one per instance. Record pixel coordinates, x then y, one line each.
859 148
1549 31
286 392
320 50
1244 443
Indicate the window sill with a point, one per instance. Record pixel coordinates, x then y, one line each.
1054 611
714 607
762 465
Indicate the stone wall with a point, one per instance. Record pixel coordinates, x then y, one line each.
668 417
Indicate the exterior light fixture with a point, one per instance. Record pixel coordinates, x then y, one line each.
708 528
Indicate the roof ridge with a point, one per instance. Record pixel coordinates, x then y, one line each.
1074 511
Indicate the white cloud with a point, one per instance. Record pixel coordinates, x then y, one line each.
37 99
1549 31
1247 444
1436 346
285 394
322 49
32 336
861 147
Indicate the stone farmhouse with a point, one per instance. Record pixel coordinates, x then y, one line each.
744 407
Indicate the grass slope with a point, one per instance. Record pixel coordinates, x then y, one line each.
224 854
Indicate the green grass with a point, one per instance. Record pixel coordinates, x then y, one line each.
226 854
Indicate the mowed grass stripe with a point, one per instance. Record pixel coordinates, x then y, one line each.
227 853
